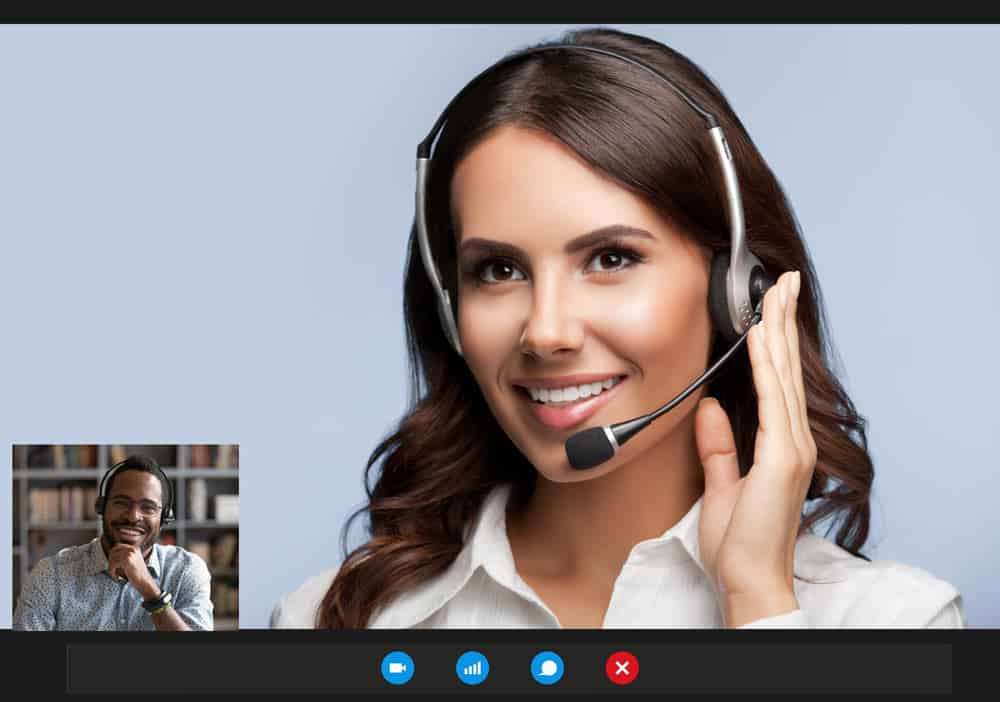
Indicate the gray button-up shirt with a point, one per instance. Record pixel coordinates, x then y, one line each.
73 590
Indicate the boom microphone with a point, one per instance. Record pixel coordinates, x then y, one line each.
591 447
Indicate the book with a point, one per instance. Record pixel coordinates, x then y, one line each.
227 509
213 456
68 503
79 509
89 499
39 456
65 505
201 549
224 550
83 456
117 454
201 456
198 498
226 599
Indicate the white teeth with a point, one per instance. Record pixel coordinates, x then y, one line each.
572 393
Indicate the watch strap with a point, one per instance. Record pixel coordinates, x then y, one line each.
159 604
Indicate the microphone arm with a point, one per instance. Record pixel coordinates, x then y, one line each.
591 447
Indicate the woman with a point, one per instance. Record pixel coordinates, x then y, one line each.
575 209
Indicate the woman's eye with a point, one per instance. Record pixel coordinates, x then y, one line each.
611 260
499 272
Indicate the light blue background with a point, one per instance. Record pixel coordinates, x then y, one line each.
203 231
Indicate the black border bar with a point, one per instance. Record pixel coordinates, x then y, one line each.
77 665
510 11
753 667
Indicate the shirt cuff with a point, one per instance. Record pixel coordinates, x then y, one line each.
791 620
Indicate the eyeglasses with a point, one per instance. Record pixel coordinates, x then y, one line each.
147 508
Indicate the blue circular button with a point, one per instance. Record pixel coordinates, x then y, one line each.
472 667
397 668
547 668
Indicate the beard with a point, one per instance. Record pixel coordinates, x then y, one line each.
145 542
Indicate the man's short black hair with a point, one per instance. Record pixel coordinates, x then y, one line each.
147 465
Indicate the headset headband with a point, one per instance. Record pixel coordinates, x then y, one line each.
741 264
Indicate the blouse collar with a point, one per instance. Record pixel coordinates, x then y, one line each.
487 546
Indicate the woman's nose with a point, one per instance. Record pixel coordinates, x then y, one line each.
553 326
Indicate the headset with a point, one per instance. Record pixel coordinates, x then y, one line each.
738 280
166 514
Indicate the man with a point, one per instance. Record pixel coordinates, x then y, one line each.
123 580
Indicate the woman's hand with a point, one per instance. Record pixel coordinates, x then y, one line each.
749 525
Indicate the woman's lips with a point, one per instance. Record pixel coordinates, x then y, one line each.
566 416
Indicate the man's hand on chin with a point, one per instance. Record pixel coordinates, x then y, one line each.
126 561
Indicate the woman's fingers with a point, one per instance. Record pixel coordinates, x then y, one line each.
784 442
716 445
793 339
787 358
772 406
780 320
808 444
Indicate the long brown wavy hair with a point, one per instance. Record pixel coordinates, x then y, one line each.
448 451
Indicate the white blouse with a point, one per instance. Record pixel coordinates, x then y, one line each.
663 584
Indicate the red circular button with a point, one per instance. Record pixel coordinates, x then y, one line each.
622 668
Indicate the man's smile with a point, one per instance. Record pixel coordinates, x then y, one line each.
129 533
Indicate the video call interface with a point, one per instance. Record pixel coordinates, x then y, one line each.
521 358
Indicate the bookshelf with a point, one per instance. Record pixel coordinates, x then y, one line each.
55 487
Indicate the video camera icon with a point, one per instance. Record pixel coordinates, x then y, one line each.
397 668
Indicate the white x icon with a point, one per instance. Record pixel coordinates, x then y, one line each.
622 668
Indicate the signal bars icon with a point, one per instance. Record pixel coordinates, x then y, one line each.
472 667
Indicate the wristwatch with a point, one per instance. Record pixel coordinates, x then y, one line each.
159 604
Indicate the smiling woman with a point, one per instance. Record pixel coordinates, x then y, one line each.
490 267
621 305
584 207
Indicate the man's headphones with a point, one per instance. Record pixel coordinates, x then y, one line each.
167 513
738 280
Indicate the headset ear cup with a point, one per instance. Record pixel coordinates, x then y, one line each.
167 515
99 505
718 303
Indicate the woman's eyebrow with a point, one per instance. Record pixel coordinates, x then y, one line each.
607 234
